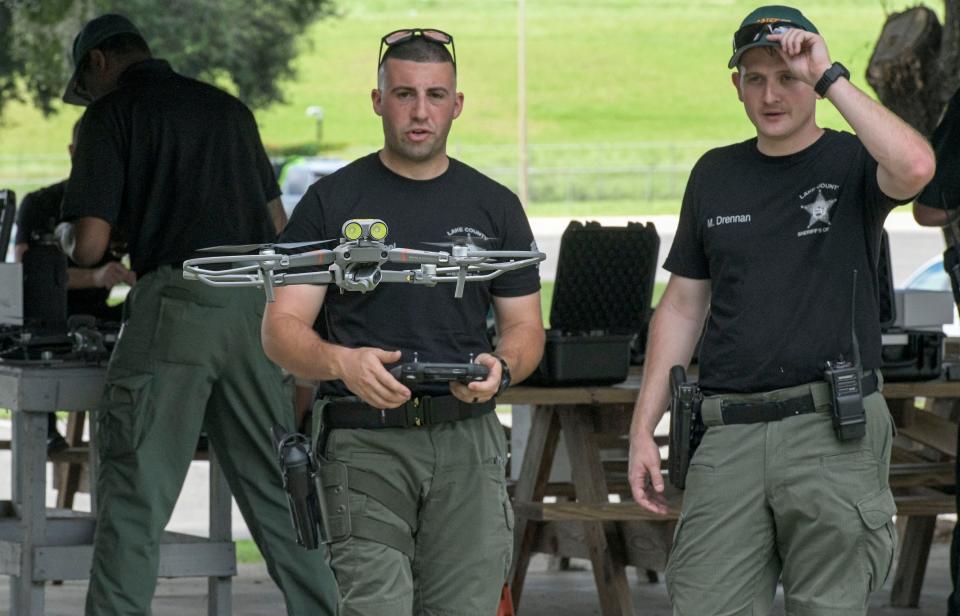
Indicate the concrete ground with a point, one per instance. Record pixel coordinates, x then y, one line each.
548 593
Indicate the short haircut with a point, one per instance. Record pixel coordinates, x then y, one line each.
121 45
770 51
417 49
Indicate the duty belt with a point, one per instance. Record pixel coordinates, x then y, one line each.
416 412
725 410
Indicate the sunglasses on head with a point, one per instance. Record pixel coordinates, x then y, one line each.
753 32
402 36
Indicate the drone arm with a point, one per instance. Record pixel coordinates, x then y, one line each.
312 258
398 275
493 269
506 266
508 254
406 255
287 279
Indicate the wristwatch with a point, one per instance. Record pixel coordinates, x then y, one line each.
836 71
504 375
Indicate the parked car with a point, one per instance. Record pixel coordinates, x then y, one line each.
297 175
931 276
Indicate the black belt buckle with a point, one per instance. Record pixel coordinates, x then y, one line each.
416 410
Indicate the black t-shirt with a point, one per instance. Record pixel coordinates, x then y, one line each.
175 164
944 190
37 217
779 238
413 318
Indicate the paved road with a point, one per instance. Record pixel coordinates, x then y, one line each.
910 244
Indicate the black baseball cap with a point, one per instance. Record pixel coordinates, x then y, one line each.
762 22
95 32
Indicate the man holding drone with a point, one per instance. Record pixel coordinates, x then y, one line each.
417 513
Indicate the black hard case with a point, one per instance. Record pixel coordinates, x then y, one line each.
601 303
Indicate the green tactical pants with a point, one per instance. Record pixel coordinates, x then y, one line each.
189 359
443 542
785 500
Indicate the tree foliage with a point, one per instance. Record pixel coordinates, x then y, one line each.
249 46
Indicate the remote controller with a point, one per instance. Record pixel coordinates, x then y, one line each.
428 372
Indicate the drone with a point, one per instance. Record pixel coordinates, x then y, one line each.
356 263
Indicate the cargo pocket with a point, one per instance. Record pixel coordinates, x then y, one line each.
126 413
179 334
879 538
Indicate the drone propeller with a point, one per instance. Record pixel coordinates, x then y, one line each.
464 240
245 248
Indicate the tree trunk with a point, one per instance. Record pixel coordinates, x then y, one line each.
915 69
904 68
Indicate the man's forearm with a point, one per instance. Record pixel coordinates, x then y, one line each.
521 346
295 346
930 216
277 214
899 150
84 240
80 278
673 337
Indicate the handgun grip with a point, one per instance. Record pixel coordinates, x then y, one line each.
678 376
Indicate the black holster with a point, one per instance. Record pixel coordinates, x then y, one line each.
686 425
299 482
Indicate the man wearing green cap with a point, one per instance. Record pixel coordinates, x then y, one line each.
775 261
174 165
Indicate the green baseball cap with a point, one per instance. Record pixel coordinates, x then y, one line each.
95 32
762 22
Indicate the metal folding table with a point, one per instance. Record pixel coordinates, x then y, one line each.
37 544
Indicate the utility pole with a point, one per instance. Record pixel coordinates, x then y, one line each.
316 113
522 103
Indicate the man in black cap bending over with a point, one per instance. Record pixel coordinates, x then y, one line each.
176 165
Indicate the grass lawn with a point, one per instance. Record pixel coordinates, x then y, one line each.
598 72
248 552
586 209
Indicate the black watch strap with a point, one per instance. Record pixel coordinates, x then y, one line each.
836 71
504 374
